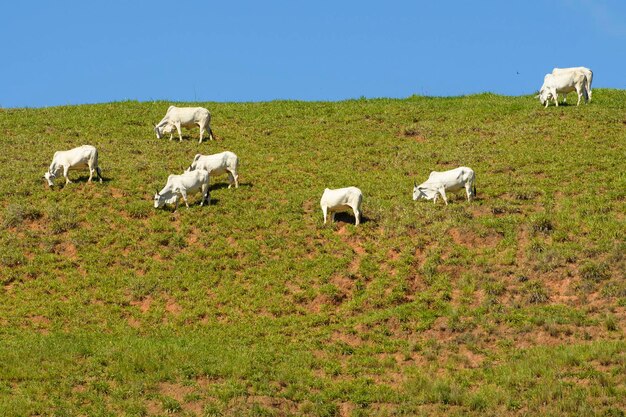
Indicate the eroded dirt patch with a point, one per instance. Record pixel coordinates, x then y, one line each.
470 239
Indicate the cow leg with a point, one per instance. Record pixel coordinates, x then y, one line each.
442 191
468 191
210 133
99 172
205 196
232 179
325 212
91 170
579 91
201 132
65 171
180 134
357 215
332 217
184 195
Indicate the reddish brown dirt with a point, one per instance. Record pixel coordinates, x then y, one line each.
67 250
117 193
355 246
346 409
523 240
172 307
194 236
36 226
344 284
133 322
472 240
560 290
473 360
349 339
153 408
41 323
144 305
175 391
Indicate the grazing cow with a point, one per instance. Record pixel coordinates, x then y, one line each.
440 182
341 200
217 164
588 73
565 82
186 183
85 156
184 116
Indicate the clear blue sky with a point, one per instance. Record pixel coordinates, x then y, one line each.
74 52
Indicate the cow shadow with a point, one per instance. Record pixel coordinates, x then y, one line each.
192 205
82 179
344 217
222 185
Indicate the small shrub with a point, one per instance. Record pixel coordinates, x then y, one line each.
535 292
11 258
212 410
536 247
525 195
62 219
595 272
138 209
611 323
170 405
495 288
15 214
542 224
333 293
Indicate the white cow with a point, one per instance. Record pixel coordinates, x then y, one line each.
85 156
186 183
440 182
341 200
184 116
217 164
565 82
588 73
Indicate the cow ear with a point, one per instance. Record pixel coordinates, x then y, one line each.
414 184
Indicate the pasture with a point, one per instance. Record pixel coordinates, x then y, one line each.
513 304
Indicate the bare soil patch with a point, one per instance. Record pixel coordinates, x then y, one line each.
172 307
470 239
144 305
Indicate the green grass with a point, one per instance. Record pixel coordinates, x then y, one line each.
513 304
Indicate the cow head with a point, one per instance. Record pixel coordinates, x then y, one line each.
159 200
167 198
544 95
418 192
159 131
48 176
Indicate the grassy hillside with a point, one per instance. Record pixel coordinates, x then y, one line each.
514 304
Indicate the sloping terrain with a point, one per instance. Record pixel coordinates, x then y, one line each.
513 304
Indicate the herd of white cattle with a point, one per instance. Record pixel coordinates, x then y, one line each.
196 178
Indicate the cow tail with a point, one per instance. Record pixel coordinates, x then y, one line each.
474 191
